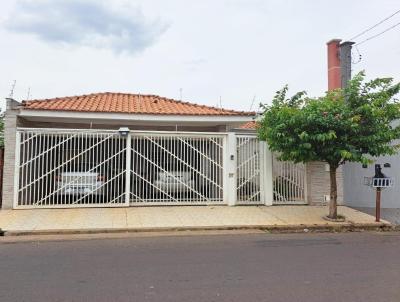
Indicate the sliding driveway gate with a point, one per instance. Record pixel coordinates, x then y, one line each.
93 168
85 168
176 168
70 168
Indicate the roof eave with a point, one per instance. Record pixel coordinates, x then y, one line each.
64 115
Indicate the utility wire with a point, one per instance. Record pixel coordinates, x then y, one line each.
359 56
373 26
378 34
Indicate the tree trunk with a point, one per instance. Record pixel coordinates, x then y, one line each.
333 194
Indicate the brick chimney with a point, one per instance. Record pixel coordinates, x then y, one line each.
334 70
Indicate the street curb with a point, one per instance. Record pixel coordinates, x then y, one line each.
302 228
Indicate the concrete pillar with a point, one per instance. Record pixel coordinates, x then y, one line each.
230 164
266 178
345 62
10 127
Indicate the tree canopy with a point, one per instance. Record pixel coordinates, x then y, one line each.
352 124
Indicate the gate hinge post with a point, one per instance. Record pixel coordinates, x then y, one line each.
230 176
128 169
267 182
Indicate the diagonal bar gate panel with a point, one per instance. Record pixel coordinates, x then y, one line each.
101 168
248 170
176 169
69 168
289 179
93 168
289 182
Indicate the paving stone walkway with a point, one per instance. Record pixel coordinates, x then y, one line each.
390 214
180 217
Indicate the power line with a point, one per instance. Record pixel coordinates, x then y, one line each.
378 34
373 26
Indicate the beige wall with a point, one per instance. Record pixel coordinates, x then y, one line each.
318 183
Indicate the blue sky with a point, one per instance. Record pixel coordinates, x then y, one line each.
236 50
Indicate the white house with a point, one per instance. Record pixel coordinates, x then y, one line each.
118 149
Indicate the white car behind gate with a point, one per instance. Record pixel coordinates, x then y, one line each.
80 183
175 181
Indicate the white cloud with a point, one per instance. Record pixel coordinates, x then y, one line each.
85 23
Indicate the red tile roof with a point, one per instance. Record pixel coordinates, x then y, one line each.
252 125
127 103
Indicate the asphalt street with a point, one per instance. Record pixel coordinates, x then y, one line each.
241 267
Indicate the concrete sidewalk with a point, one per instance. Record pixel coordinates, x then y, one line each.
390 214
97 220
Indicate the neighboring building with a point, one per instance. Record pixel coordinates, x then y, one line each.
357 194
118 149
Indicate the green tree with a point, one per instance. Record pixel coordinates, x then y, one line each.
345 125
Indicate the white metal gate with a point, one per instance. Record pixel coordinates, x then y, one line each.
176 168
92 168
289 179
67 168
248 188
289 182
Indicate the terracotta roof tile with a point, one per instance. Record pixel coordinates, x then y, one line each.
127 103
249 125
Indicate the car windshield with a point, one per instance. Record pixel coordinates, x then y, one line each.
80 167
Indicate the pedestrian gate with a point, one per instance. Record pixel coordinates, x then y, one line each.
94 168
248 170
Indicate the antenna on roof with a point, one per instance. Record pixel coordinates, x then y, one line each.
180 93
252 102
12 89
28 94
220 102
